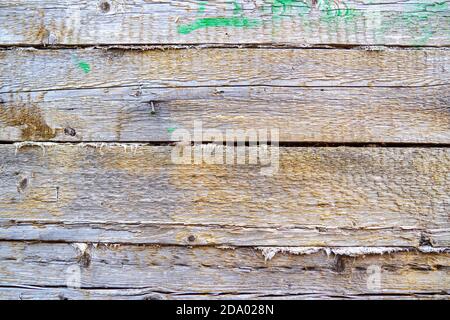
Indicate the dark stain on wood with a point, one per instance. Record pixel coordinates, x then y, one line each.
339 264
105 6
22 185
84 259
70 132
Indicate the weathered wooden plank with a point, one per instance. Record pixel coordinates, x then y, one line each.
70 22
45 70
36 293
319 197
176 272
200 234
400 115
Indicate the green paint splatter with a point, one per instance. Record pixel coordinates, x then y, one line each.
237 22
433 7
280 8
331 13
171 130
303 9
283 6
329 10
83 65
237 8
202 6
415 20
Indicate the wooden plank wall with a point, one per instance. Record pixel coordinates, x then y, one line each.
91 92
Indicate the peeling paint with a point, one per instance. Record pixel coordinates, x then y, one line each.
81 247
100 145
42 145
270 252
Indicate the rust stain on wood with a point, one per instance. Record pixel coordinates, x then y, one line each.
28 118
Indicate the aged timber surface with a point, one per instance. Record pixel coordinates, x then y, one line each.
39 270
91 92
361 115
44 70
135 194
298 23
309 95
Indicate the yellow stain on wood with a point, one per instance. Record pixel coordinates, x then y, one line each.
28 118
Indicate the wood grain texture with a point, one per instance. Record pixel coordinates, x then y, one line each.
110 80
360 115
44 70
217 234
41 270
40 293
319 197
70 22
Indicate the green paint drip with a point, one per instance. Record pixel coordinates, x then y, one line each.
236 22
171 130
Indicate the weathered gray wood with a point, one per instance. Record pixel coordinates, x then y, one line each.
179 272
319 197
140 226
71 22
45 70
201 234
39 293
401 115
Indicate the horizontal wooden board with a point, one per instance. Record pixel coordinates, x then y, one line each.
136 194
39 293
42 270
361 115
218 234
70 22
44 70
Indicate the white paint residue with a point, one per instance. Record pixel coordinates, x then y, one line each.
359 251
225 247
41 145
270 252
428 249
81 247
133 147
